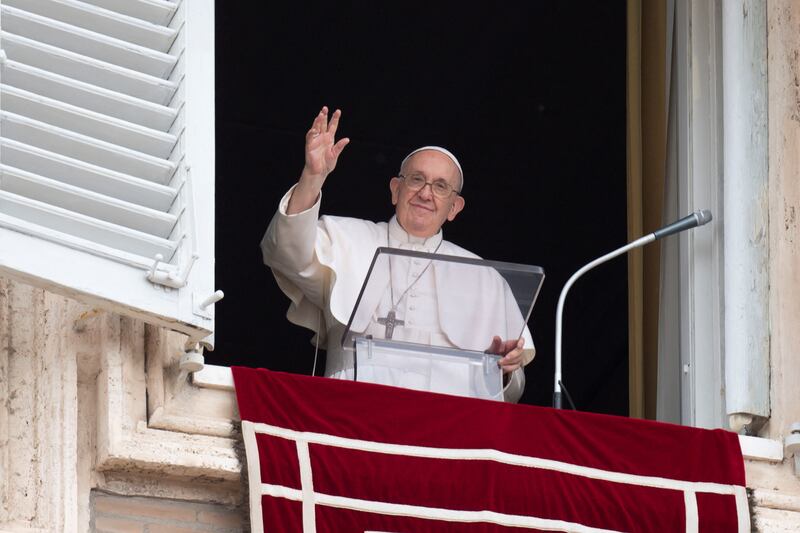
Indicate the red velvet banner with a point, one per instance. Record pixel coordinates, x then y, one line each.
330 455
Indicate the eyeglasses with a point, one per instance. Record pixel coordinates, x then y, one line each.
440 187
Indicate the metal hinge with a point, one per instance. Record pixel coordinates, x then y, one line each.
170 278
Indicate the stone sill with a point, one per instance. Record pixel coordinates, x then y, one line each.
214 377
760 449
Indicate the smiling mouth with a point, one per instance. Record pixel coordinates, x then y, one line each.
422 207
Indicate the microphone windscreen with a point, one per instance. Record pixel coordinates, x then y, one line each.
703 216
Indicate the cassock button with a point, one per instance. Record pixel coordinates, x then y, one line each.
412 307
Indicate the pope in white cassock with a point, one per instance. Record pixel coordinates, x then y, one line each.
320 263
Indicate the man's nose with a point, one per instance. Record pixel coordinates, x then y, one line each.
426 192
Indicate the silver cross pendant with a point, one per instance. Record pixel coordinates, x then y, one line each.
390 322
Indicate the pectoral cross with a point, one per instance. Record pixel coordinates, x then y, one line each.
390 322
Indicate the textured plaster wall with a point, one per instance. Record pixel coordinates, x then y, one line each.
74 416
38 411
776 485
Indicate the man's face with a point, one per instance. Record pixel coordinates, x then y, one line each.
421 212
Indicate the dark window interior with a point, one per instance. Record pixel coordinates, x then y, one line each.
529 95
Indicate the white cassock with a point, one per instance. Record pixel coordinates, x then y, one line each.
321 263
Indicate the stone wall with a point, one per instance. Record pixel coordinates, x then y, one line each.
94 400
131 514
776 487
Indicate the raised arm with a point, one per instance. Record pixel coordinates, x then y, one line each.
322 153
289 242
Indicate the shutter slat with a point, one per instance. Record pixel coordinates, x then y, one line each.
57 219
89 104
86 176
85 202
100 20
155 11
87 69
86 42
87 122
94 151
88 96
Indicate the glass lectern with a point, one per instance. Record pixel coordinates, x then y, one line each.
436 322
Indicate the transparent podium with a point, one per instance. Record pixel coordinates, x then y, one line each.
437 322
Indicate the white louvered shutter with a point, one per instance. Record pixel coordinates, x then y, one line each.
107 153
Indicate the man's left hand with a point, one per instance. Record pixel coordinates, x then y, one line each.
511 350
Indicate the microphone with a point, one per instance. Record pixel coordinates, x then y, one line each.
698 218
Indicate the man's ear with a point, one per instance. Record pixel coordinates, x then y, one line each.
394 186
456 207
